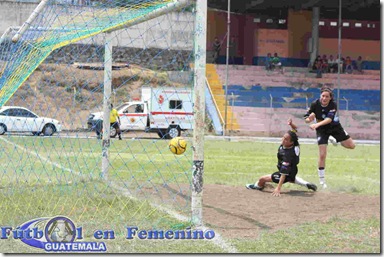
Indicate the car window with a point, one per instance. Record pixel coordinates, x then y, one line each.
121 107
26 113
21 113
13 112
5 113
136 108
139 108
175 104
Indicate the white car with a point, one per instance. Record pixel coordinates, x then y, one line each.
20 119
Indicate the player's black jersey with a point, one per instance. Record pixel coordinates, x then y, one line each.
288 159
330 111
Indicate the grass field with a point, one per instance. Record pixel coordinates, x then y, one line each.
45 177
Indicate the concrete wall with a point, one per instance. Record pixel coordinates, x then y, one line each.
14 14
171 31
162 43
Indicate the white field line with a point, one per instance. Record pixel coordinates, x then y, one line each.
42 158
217 240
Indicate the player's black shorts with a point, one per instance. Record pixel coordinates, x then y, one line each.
115 125
336 131
276 177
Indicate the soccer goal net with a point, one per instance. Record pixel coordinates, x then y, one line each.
56 70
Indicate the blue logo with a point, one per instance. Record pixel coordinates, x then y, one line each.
60 234
56 234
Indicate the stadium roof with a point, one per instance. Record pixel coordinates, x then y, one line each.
351 9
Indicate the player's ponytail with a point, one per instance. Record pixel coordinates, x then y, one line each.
294 137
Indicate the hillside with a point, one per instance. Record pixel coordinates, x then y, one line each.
70 94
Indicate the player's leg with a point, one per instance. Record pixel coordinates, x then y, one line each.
321 164
259 185
322 141
348 143
302 182
118 130
117 127
342 136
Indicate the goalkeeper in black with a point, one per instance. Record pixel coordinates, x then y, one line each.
288 156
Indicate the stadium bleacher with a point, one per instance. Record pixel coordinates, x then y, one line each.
263 98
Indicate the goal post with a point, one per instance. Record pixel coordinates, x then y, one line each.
199 107
65 68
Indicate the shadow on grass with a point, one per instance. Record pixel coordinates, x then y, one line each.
299 193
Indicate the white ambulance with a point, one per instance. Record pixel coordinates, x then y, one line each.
165 111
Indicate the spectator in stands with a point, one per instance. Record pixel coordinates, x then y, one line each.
317 66
216 49
232 50
268 62
288 157
340 61
324 110
276 63
348 65
332 64
359 64
324 64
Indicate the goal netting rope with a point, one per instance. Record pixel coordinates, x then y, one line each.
55 69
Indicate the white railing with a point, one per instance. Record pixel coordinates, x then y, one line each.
346 103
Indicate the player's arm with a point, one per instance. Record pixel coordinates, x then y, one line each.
324 122
277 190
285 169
310 115
310 118
293 125
331 114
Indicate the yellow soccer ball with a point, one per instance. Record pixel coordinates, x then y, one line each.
177 145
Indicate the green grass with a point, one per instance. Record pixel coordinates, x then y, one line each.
334 236
45 177
236 163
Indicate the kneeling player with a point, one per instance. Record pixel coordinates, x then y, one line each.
288 158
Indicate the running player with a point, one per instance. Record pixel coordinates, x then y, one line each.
327 124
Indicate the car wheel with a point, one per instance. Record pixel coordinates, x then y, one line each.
3 129
48 130
173 132
113 132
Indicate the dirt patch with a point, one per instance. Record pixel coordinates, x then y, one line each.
236 212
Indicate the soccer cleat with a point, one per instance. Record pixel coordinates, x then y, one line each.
312 187
253 186
323 185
